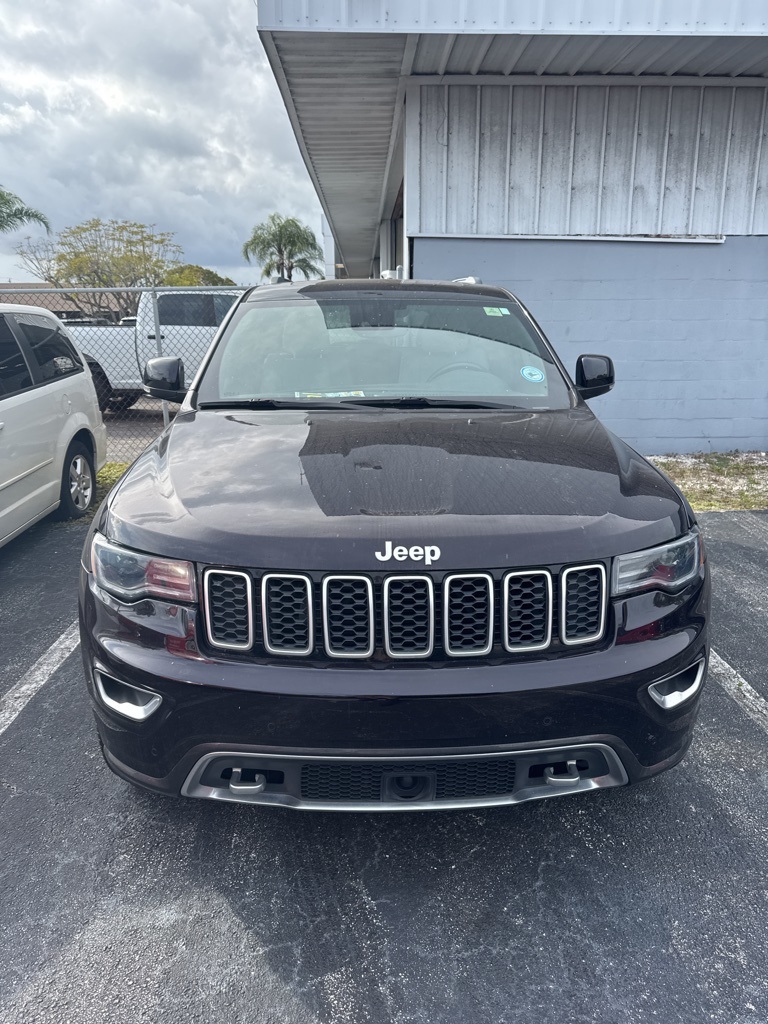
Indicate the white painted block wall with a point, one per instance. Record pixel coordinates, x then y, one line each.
685 323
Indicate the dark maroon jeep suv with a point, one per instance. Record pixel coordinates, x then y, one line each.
386 558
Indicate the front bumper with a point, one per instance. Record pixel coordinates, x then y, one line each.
591 708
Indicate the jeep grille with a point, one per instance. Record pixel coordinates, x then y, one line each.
454 615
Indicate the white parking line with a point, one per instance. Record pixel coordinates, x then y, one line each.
17 698
749 700
22 692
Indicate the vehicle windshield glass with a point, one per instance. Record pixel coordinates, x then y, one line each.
369 346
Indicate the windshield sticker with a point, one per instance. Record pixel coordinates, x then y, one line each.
329 394
532 374
492 310
504 312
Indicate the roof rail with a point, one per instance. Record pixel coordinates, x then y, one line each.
466 280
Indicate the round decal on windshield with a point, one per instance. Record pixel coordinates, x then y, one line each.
532 374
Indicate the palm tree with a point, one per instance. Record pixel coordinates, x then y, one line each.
13 213
283 245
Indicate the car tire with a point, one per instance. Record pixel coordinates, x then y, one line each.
122 400
100 382
78 483
103 388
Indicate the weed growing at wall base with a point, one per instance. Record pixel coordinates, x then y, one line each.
720 481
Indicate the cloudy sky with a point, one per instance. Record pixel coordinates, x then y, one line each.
158 111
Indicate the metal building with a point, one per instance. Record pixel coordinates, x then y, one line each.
607 160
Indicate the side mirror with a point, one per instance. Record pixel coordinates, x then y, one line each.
164 378
594 375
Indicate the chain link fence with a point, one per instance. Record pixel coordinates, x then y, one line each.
118 330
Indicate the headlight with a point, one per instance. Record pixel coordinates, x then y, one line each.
667 567
133 575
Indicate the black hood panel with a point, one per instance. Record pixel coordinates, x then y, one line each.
325 490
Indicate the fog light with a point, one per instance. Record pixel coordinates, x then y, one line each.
672 692
127 700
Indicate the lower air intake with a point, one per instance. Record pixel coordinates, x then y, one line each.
454 780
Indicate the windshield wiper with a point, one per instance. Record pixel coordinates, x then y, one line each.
270 403
425 402
403 402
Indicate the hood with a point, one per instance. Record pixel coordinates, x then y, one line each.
325 490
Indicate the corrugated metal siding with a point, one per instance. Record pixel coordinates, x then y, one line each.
345 121
591 160
662 17
529 54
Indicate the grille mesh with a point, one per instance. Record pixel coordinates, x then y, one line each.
228 620
287 614
528 610
362 781
469 609
347 609
409 616
583 603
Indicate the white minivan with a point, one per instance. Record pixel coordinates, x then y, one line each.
52 439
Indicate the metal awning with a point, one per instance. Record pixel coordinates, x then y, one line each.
342 67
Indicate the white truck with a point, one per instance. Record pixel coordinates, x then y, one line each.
189 319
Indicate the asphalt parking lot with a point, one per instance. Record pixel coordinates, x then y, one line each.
130 431
632 905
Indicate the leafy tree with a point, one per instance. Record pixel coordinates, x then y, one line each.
14 214
103 254
282 245
189 274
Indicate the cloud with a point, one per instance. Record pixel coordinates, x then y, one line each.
161 111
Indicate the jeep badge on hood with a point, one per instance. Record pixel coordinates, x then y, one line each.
428 554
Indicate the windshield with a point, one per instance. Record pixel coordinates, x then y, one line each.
372 347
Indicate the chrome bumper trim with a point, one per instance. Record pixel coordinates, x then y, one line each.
524 788
670 701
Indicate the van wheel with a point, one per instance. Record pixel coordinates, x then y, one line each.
78 483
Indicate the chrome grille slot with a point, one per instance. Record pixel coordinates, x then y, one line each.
286 609
409 616
582 604
468 614
527 612
229 609
348 629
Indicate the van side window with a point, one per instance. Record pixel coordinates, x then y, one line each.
51 348
14 372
